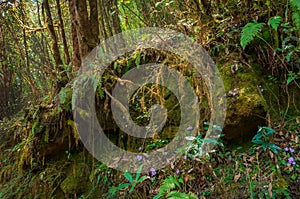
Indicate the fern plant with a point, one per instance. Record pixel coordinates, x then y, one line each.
132 182
171 182
274 22
180 195
249 31
252 29
295 4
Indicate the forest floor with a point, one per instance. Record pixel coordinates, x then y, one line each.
253 171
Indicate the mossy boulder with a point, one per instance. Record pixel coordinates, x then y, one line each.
76 181
246 106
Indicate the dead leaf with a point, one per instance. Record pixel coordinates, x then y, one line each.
297 139
254 177
172 166
271 154
251 158
237 177
270 190
188 178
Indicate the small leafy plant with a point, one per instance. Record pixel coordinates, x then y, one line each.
194 149
262 138
132 182
171 182
292 76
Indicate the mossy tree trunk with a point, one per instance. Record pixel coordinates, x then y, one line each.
92 21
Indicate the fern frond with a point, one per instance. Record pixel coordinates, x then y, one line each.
192 196
175 180
177 195
296 19
180 195
249 31
296 12
157 196
295 5
168 184
274 22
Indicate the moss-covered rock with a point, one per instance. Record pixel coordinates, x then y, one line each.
76 181
246 106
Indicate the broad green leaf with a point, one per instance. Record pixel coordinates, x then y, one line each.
209 140
128 176
142 179
122 186
268 130
132 187
274 148
157 196
138 173
257 141
258 136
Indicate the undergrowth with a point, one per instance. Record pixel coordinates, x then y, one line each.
268 169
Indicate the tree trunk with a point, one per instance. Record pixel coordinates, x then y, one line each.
76 61
63 34
62 78
26 58
113 8
3 70
94 21
55 48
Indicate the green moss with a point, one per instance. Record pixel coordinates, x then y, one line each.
247 106
169 132
76 181
246 80
281 184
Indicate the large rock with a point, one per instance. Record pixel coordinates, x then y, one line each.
76 181
246 106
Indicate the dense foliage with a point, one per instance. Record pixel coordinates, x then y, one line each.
255 45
